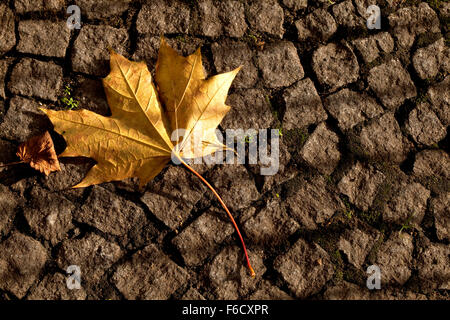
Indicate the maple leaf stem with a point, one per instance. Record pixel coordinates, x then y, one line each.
11 164
252 272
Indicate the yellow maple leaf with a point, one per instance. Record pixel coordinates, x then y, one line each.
135 141
192 103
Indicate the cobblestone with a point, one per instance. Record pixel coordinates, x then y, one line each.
362 119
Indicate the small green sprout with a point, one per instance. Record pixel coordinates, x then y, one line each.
248 139
67 100
407 224
280 132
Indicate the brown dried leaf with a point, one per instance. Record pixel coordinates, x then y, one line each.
40 153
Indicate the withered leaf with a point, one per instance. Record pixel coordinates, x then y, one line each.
135 141
39 152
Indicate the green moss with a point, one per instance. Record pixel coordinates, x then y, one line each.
338 275
295 137
372 217
181 38
328 179
338 257
435 4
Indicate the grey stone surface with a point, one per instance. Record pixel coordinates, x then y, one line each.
267 291
4 65
49 215
7 153
8 205
317 26
335 65
235 186
173 17
23 6
407 205
305 268
7 32
444 9
168 199
23 120
345 15
280 65
312 203
266 16
433 266
371 47
90 50
21 260
148 47
207 19
110 213
440 207
397 294
350 108
346 291
424 126
36 78
54 287
203 237
285 170
430 60
149 274
440 100
91 96
409 22
356 245
229 275
391 83
250 109
73 170
321 149
43 37
229 55
361 184
296 4
192 294
232 14
382 139
394 258
71 174
432 163
100 9
93 254
303 106
271 226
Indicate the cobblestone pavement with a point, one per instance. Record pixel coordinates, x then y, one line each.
364 173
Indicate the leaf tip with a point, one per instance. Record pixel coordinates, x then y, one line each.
235 71
79 185
252 272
